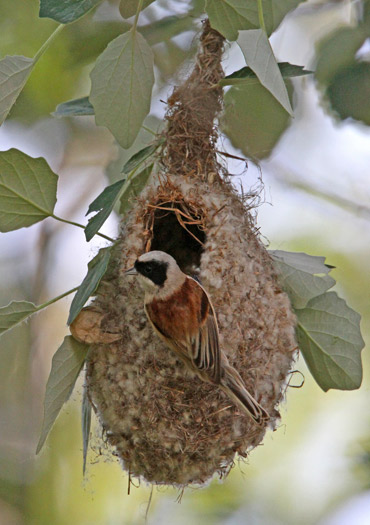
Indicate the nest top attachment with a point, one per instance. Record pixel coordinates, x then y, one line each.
192 108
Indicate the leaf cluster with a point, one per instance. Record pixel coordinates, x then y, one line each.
122 78
343 72
328 330
122 81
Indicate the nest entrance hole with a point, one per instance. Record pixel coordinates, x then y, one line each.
179 232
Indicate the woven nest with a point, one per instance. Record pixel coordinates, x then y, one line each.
167 425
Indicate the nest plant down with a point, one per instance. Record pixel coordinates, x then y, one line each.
166 425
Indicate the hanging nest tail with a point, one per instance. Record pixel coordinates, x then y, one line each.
168 426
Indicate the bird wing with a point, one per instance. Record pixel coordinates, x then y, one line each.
205 345
199 348
179 348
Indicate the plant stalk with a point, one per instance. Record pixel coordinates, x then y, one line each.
55 299
260 16
139 8
80 226
47 43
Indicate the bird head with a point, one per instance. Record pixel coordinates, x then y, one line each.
158 274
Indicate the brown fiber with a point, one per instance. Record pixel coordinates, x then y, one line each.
165 424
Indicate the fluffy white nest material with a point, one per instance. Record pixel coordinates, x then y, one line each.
166 425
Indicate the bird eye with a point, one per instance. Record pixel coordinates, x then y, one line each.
148 269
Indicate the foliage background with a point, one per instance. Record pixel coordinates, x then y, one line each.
315 467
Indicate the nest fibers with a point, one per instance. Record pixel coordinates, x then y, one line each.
167 425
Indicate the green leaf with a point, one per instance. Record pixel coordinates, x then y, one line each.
27 190
121 86
66 366
230 16
139 157
133 188
246 75
17 311
78 107
96 269
253 119
14 313
337 52
86 425
348 93
343 78
103 204
114 169
330 340
128 8
162 30
302 276
14 72
66 11
260 58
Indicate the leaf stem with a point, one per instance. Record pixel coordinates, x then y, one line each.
47 43
260 16
150 130
139 8
80 226
48 303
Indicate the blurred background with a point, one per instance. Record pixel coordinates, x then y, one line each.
315 468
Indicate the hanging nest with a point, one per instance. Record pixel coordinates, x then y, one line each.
166 425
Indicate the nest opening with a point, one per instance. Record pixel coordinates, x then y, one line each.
184 244
176 227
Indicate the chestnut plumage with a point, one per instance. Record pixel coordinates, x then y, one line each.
181 313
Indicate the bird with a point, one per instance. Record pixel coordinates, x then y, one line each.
181 313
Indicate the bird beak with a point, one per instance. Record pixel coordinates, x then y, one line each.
131 271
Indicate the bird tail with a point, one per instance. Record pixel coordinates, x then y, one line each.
232 385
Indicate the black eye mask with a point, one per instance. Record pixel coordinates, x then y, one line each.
156 271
